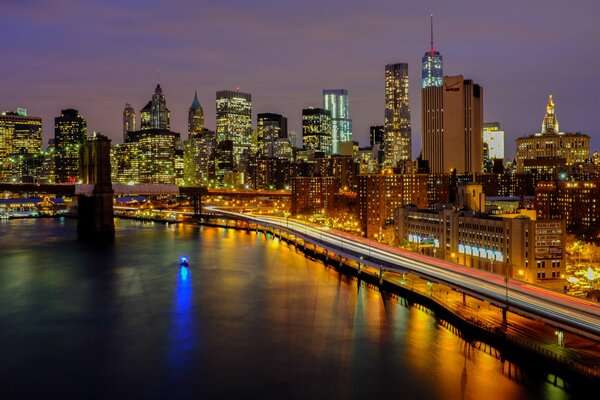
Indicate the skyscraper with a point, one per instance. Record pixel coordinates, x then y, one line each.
270 128
234 122
494 137
128 120
336 102
20 140
397 115
70 131
316 130
195 117
376 134
155 115
432 74
452 117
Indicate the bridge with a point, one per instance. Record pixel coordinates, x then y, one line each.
556 309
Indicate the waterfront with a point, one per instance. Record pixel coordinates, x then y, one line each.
252 318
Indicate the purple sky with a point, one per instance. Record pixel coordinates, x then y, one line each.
97 55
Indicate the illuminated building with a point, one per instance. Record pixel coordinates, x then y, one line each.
20 142
380 194
577 202
376 134
124 159
195 117
293 137
313 195
596 158
397 141
271 130
316 130
452 120
433 66
550 148
156 155
494 137
514 245
199 158
128 120
234 122
223 159
269 173
70 131
336 102
155 115
178 160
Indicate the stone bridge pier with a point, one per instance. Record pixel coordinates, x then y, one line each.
95 216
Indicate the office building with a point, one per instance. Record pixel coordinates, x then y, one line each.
397 141
376 135
551 148
195 117
336 102
432 73
20 143
199 158
271 132
494 137
313 195
128 120
515 245
234 122
452 121
155 114
70 130
156 152
316 130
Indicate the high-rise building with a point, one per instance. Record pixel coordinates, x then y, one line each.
270 128
452 121
155 115
397 143
156 149
494 137
316 130
432 74
376 134
234 122
336 102
546 150
20 141
70 130
195 117
199 158
128 120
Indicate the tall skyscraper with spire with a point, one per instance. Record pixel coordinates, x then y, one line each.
397 141
432 74
195 117
155 115
128 120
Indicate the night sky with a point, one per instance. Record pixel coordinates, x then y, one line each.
98 55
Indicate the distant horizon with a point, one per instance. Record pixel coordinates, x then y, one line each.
96 58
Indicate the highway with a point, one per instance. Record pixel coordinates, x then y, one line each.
562 311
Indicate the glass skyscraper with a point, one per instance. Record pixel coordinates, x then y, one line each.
432 74
397 140
336 102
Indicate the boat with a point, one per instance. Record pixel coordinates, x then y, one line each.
184 262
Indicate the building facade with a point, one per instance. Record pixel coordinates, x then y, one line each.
336 102
514 245
234 122
128 120
20 143
452 120
271 132
316 130
432 72
313 195
155 114
195 118
397 142
70 131
550 148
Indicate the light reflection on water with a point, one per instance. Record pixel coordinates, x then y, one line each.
251 317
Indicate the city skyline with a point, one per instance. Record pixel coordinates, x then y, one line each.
516 62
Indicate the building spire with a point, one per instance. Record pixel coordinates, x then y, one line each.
196 102
432 50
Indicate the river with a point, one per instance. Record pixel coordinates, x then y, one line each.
250 318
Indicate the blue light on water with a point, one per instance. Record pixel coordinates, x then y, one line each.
183 271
